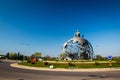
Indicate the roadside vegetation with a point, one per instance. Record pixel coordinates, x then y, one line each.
73 64
37 60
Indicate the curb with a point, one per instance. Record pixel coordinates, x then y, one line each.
68 70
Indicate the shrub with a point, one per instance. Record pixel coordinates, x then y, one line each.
71 64
28 60
117 62
46 63
97 63
33 61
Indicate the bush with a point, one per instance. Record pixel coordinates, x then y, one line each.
97 63
46 63
117 62
28 60
71 64
33 61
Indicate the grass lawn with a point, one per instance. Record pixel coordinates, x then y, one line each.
71 65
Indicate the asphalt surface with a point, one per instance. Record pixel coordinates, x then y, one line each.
10 73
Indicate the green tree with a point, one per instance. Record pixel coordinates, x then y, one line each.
38 54
62 55
14 56
18 55
32 56
8 55
47 57
11 55
105 58
54 58
99 57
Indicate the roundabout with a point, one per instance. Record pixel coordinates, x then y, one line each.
14 73
15 65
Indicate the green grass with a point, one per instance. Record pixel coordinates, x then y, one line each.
71 65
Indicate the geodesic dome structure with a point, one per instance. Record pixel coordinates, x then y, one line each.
77 48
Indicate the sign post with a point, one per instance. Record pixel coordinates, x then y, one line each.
110 61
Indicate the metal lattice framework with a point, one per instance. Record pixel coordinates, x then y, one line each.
77 48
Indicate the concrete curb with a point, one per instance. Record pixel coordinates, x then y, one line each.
69 70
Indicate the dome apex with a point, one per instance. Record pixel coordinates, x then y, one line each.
77 34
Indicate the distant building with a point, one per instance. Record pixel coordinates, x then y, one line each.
77 48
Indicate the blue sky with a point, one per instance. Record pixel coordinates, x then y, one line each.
30 26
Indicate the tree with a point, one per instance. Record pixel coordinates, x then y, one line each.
14 56
32 56
47 57
18 55
7 55
99 57
62 55
54 58
38 54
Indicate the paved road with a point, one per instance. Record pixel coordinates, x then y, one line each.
10 73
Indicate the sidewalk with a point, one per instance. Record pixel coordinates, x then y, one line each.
61 69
